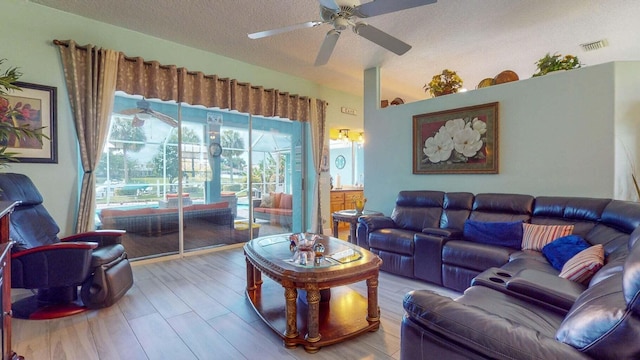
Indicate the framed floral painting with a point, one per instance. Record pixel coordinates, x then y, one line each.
36 106
459 141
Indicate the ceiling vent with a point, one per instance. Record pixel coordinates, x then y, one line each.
594 45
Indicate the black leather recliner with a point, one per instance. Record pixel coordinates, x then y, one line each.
54 268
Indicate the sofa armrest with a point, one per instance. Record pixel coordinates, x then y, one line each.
546 287
370 223
445 233
427 264
373 223
54 265
483 333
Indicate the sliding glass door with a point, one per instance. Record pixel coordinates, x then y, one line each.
181 178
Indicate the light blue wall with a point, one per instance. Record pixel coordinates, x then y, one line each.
26 34
557 136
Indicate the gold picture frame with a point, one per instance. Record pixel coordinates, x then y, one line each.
458 141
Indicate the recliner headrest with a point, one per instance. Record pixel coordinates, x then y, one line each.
18 187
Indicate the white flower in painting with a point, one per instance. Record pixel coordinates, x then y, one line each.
479 126
451 127
467 142
438 147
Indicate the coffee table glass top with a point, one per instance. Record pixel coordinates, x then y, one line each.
337 252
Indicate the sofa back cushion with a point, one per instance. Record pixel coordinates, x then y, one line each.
275 199
502 207
286 201
456 210
416 210
583 213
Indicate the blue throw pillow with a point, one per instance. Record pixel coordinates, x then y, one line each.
494 233
560 250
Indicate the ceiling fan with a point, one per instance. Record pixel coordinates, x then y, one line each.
342 14
143 112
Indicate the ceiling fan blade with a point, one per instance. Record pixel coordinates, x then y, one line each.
379 7
329 4
164 118
381 38
326 49
262 34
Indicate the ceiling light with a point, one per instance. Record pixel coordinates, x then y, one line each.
343 134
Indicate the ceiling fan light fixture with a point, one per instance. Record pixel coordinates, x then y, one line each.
340 23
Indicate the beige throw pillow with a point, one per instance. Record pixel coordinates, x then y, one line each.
535 237
584 264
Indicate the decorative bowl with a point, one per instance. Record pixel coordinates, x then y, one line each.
302 247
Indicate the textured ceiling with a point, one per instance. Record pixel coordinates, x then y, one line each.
477 38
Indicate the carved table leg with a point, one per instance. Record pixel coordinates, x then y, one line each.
291 295
373 311
257 277
251 271
313 321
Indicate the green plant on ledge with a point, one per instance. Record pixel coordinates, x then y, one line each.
10 117
448 82
550 63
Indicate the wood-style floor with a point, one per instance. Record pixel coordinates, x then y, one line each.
195 308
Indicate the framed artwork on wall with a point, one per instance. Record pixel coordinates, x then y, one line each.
37 105
458 141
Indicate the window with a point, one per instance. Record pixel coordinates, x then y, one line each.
219 165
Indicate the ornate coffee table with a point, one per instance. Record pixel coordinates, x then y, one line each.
313 320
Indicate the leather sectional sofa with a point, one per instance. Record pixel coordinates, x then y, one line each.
514 303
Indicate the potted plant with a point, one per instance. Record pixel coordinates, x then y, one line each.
448 82
556 62
11 116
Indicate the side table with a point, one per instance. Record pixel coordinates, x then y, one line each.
351 217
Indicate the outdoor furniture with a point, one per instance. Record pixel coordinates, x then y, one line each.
150 221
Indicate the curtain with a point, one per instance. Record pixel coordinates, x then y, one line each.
317 123
90 75
89 87
152 80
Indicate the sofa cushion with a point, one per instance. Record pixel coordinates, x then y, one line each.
494 233
219 205
535 237
475 256
560 250
112 213
275 198
583 265
393 240
286 201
